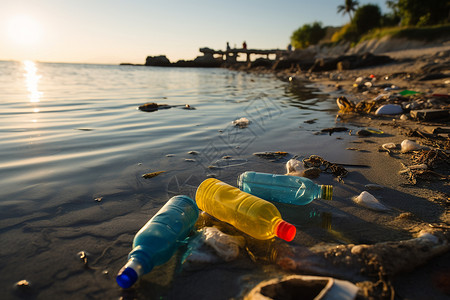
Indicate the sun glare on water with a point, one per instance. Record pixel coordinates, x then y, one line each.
23 30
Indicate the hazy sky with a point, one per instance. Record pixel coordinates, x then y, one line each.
113 31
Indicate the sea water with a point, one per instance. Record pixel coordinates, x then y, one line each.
74 147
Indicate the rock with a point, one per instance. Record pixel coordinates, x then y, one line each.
157 61
389 109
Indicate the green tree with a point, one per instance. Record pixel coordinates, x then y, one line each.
348 8
308 34
420 12
366 18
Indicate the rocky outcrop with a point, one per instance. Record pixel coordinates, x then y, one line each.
157 61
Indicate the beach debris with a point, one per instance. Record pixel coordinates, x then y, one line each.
83 256
367 200
367 265
345 105
310 287
408 93
271 154
430 114
312 173
294 165
193 152
152 106
149 107
389 109
389 146
241 123
152 174
225 245
189 160
170 155
408 145
312 121
363 132
98 199
373 186
325 166
334 129
22 284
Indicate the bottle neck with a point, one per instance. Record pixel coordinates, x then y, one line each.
326 192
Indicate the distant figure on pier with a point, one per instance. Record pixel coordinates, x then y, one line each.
289 47
244 45
228 46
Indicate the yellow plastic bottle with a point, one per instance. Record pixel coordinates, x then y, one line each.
250 214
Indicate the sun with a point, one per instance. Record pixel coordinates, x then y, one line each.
23 30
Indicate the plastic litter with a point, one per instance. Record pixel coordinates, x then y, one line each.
367 200
408 93
389 109
226 246
314 287
408 145
242 122
283 188
159 238
250 214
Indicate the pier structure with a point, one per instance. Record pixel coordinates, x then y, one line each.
231 55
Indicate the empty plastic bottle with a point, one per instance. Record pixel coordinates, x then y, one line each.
159 238
283 188
250 214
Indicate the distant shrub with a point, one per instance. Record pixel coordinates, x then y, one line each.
346 33
308 34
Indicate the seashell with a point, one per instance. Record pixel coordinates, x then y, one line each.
367 200
408 145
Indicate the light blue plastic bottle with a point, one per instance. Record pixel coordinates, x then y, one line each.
283 188
159 238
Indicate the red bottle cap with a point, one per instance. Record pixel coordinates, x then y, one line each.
285 231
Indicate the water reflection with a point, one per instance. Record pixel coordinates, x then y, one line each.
32 80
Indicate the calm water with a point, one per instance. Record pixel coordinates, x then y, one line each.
72 133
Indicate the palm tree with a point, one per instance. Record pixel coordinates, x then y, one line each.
348 8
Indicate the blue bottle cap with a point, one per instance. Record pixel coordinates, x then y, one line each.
126 277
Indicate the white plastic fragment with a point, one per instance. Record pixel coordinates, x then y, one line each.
367 200
294 166
242 122
389 109
226 246
389 146
408 145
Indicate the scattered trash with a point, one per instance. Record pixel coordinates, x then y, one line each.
226 246
241 123
318 162
310 287
334 129
294 166
283 188
430 114
408 145
256 216
373 186
271 155
367 200
189 160
193 152
159 238
389 109
408 93
404 117
151 107
22 284
414 167
98 199
84 257
153 174
363 132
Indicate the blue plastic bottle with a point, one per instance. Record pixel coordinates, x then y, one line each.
283 188
159 238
